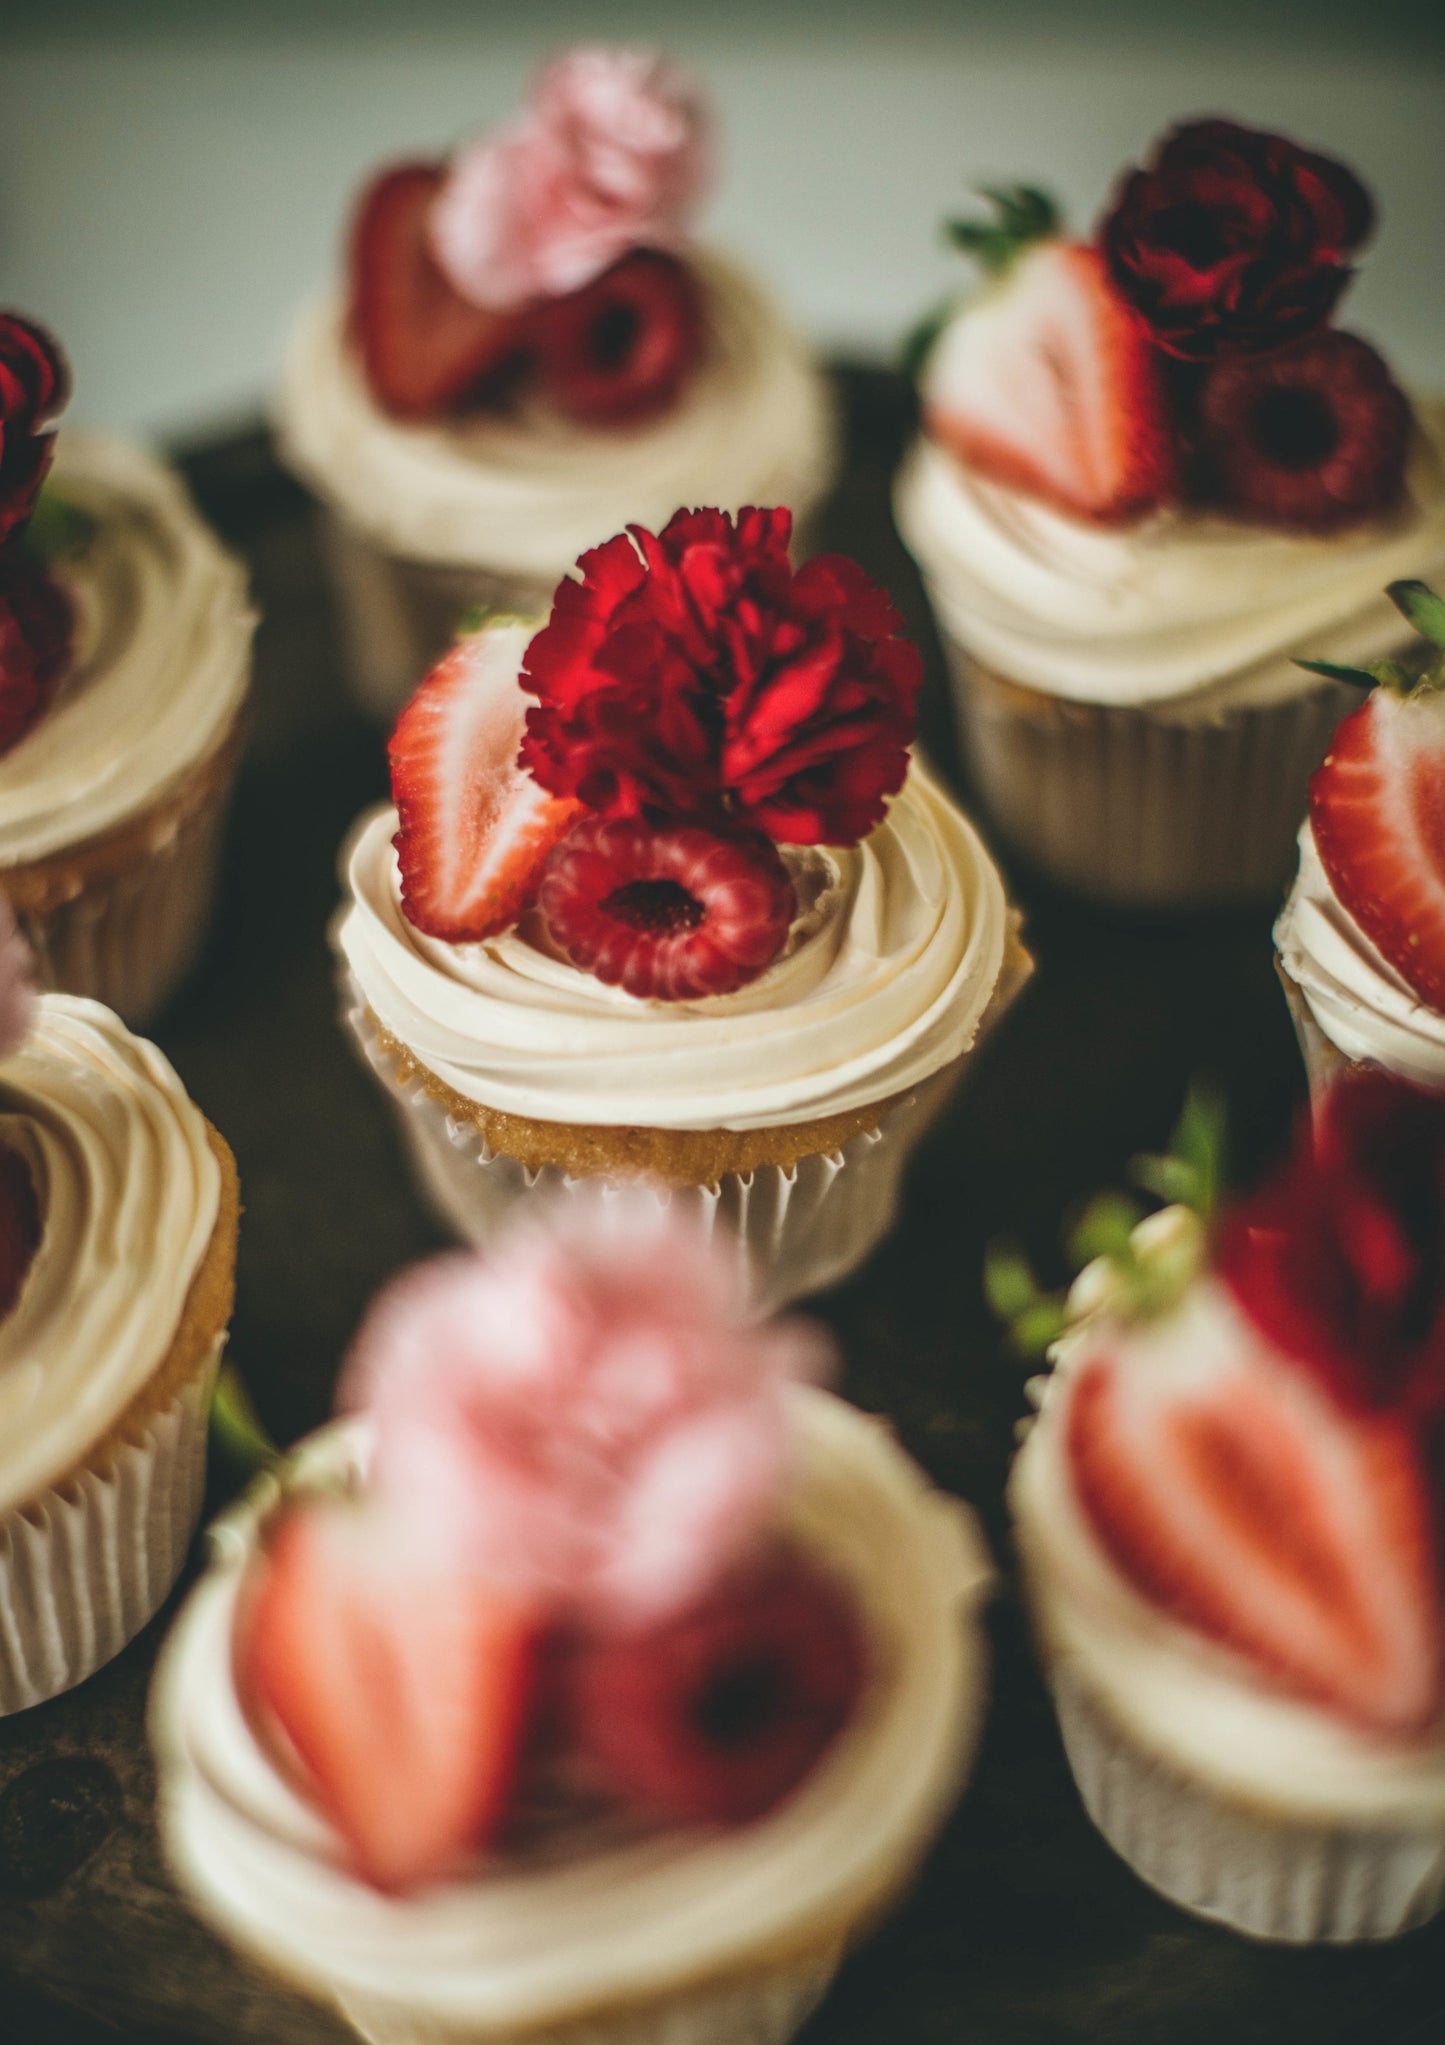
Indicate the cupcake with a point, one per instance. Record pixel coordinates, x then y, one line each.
118 1211
710 927
599 1676
530 351
1149 472
125 647
1361 942
1229 1515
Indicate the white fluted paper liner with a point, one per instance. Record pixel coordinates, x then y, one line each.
763 2010
1146 806
85 1566
795 1230
130 938
1268 1876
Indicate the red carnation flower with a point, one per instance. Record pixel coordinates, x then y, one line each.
1233 241
34 385
694 675
36 625
1340 1260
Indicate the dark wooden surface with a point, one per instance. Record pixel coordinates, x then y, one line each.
1024 1929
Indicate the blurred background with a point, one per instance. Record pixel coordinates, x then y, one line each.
174 177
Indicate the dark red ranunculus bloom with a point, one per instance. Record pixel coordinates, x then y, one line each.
1233 241
1340 1259
694 674
34 385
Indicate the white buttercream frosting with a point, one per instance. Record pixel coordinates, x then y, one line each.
1197 1707
128 1190
887 982
1179 606
1366 1009
603 1920
161 661
525 491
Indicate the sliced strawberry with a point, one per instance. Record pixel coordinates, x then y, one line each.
1248 1506
1051 384
402 1687
1377 809
423 346
19 1225
475 827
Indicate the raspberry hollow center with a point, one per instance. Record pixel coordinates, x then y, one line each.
1193 232
613 336
742 1703
1295 428
659 907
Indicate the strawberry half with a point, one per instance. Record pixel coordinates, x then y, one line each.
476 829
1377 809
403 1688
1252 1509
423 346
1051 384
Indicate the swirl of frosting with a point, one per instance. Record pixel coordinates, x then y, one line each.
527 492
886 982
1367 1010
128 1191
603 1916
1181 605
163 650
1194 1705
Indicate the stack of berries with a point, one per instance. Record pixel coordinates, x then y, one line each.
35 616
1185 355
698 704
566 1587
544 257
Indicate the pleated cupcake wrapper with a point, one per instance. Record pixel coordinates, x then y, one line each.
1140 809
130 938
1300 1883
83 1567
762 2009
398 615
1324 1061
795 1230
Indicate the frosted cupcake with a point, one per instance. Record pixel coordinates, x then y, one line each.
555 1696
532 351
1228 1516
711 929
1361 941
118 1211
1150 473
125 647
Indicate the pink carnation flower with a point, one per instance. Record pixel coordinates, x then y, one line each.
585 1412
610 157
17 996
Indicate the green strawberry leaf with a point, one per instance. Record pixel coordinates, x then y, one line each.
1423 608
918 342
1103 1229
1022 215
1009 1284
57 527
236 1426
1388 674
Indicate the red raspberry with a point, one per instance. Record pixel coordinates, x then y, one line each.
1314 437
718 1713
35 630
621 347
671 913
